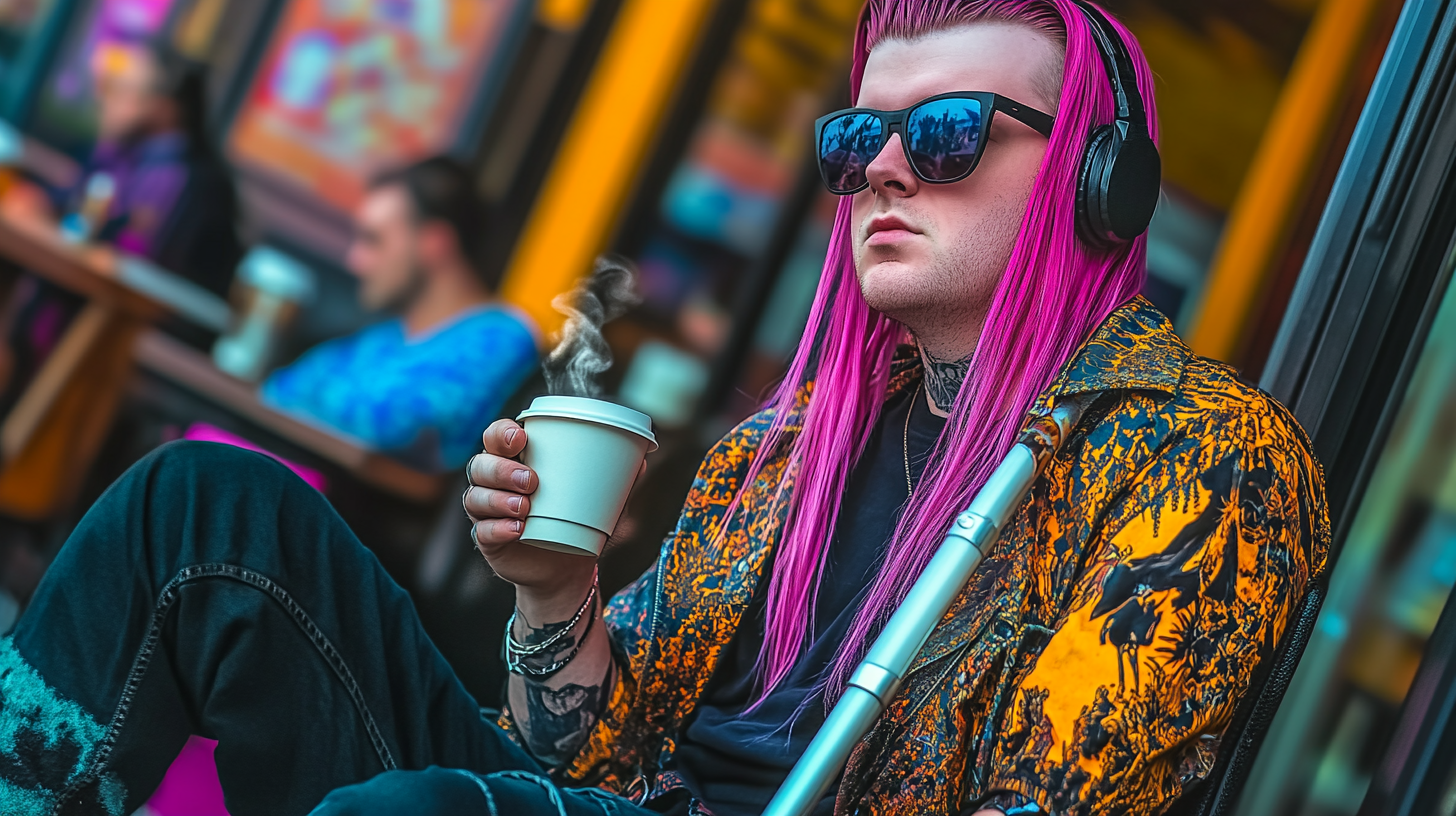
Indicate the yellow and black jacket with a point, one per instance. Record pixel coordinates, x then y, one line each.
1099 652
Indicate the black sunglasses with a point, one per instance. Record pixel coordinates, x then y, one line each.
943 136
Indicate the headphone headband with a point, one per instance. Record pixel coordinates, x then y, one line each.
1119 184
1118 62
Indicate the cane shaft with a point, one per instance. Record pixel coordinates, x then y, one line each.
877 679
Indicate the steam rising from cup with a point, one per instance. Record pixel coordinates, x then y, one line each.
586 451
574 366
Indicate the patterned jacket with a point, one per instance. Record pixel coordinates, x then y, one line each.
1100 650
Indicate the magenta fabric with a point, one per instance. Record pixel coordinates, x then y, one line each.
150 178
203 432
190 787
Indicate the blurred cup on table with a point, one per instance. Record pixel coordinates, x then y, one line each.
270 288
12 146
586 454
82 226
665 383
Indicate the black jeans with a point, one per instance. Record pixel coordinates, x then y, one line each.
210 591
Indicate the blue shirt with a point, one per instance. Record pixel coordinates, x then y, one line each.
426 398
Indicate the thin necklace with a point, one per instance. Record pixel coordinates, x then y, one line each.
909 483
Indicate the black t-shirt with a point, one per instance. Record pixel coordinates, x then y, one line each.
735 760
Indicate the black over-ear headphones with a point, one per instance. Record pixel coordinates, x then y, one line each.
1121 171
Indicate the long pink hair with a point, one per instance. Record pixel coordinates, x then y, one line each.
1054 293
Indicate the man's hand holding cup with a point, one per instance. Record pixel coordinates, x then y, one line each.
542 521
498 501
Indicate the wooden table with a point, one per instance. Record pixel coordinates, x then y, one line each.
181 365
76 268
51 435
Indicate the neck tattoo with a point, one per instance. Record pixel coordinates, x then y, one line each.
943 379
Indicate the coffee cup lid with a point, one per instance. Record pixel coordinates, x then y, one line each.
594 410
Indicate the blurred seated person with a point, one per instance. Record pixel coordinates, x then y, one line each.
423 383
165 193
167 197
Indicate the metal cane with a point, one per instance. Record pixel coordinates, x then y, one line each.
875 682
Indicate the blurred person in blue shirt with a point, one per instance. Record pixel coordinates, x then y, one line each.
424 384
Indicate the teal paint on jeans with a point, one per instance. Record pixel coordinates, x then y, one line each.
33 715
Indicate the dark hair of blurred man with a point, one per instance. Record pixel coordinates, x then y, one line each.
417 244
423 382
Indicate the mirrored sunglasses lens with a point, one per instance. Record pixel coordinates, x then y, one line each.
847 146
944 138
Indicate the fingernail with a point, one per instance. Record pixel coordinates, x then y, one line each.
511 436
514 503
517 526
522 478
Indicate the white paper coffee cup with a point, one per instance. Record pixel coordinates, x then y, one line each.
586 454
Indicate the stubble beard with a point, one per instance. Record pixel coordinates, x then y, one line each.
945 301
399 300
943 305
948 295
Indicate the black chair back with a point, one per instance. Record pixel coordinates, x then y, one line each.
1218 794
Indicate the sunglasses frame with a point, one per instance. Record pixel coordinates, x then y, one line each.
892 122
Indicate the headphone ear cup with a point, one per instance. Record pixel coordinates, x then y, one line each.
1118 188
1092 187
1134 183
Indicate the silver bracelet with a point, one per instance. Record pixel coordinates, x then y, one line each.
516 664
515 650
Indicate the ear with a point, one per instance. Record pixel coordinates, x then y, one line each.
435 243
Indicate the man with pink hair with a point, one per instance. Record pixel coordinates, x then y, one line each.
997 175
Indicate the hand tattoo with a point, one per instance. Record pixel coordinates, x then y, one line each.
943 379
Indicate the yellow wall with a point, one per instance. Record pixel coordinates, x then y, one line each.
563 14
1271 192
